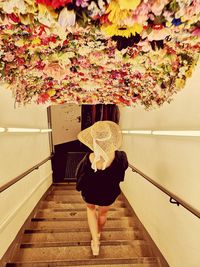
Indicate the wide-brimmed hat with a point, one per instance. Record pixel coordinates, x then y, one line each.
106 134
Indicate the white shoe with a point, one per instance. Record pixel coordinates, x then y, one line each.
95 248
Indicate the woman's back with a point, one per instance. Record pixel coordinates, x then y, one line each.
101 187
100 163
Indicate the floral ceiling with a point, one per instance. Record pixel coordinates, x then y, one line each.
124 52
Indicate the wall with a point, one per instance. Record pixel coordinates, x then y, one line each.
19 152
173 162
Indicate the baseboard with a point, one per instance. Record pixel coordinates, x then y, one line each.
17 241
156 251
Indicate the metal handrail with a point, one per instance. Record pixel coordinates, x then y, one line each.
173 198
21 176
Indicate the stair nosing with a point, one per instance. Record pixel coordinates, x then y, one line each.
75 209
75 219
82 243
61 230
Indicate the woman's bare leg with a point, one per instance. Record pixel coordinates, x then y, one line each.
102 217
92 222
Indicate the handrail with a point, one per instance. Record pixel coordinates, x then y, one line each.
173 198
21 176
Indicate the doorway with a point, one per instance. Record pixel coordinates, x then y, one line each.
67 120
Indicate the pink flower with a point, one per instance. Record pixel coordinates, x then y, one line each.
43 98
84 62
14 18
193 9
40 65
196 32
82 3
140 14
145 46
158 6
54 3
9 57
55 71
20 61
158 34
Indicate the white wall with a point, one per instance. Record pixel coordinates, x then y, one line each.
174 163
19 152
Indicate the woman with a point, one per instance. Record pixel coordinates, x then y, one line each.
99 174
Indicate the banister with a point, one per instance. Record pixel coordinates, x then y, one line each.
21 176
173 198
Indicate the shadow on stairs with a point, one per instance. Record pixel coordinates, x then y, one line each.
58 235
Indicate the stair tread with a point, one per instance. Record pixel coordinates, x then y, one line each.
66 230
66 193
81 243
61 193
94 262
70 198
64 185
76 208
122 265
81 236
76 214
82 224
82 252
66 205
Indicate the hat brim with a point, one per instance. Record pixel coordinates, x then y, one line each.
85 136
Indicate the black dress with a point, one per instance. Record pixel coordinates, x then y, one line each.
101 187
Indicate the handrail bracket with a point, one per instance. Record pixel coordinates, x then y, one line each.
174 201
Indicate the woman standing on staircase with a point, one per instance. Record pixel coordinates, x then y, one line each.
99 174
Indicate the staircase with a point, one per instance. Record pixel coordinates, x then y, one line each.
58 235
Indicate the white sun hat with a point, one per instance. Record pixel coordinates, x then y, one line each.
103 137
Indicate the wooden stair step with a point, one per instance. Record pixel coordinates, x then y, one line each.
93 262
77 253
65 192
66 198
71 192
81 236
68 186
81 224
60 230
121 264
76 214
83 243
66 205
37 219
69 198
153 262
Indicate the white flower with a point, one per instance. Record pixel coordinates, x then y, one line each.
95 10
84 50
89 85
67 18
11 6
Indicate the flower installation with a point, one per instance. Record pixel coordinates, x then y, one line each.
124 52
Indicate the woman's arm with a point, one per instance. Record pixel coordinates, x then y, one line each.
80 173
